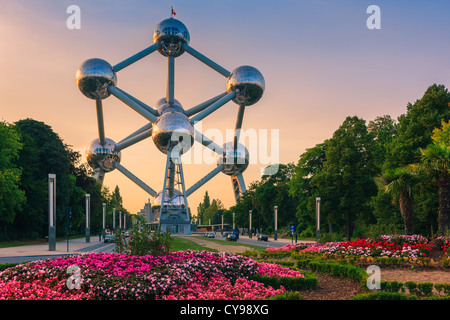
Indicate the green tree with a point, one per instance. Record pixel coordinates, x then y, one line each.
43 152
11 196
202 208
436 160
309 165
347 177
400 182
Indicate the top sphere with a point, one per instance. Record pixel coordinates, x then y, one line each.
171 33
248 83
93 76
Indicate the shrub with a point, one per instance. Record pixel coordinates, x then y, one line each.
383 296
290 295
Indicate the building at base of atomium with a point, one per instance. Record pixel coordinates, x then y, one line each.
169 125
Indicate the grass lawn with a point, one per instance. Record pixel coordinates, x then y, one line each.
181 244
231 243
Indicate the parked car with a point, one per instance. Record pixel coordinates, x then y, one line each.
211 235
262 237
109 238
231 237
125 234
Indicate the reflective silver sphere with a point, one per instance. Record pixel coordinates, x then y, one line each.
177 199
93 76
171 33
162 106
99 156
173 129
249 84
234 162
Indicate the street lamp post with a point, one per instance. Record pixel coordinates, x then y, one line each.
88 218
114 219
250 224
318 218
104 220
234 225
51 211
275 233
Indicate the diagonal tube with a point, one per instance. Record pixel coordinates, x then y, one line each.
142 104
205 60
138 56
133 178
216 105
133 140
204 180
140 130
199 137
202 106
119 94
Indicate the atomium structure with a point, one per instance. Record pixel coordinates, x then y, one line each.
169 124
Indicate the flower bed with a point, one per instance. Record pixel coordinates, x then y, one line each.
296 246
178 275
414 246
443 243
372 248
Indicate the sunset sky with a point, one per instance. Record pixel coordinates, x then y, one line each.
320 62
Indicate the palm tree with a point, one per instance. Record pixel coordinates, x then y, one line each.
399 183
436 159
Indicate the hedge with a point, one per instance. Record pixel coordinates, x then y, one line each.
290 284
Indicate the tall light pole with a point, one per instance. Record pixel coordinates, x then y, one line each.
104 219
88 218
250 224
51 212
114 219
318 218
275 233
234 225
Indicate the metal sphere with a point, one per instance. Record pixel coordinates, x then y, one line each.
234 162
248 83
93 76
162 106
177 199
99 156
173 129
171 33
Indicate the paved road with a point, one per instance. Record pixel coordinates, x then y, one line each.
41 252
271 243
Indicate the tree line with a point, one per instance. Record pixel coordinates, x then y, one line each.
29 151
382 176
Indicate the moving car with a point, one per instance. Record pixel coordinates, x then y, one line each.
262 237
211 235
231 237
109 238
